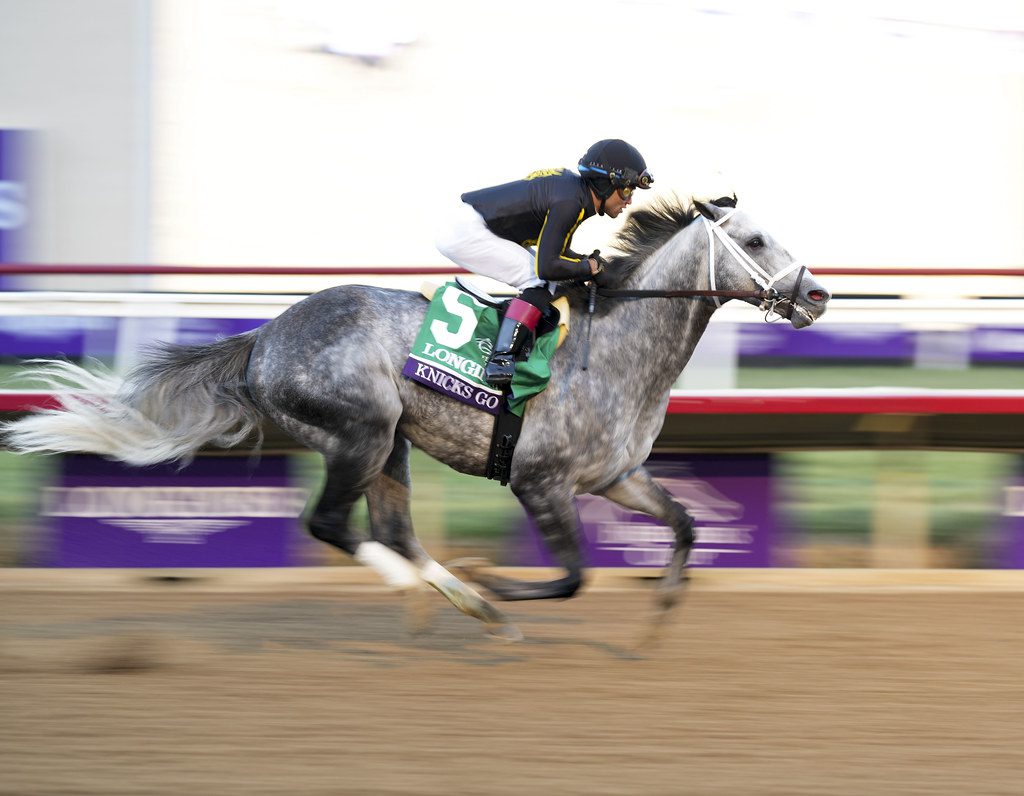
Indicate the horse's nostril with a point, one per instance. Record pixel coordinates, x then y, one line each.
817 295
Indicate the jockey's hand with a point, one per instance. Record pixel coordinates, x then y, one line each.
598 271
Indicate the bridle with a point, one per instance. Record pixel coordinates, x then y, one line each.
768 294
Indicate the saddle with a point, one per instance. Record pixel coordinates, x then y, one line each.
555 315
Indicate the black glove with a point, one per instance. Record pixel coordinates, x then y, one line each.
603 277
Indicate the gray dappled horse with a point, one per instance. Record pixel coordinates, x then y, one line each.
328 372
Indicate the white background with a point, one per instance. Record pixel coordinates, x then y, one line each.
227 132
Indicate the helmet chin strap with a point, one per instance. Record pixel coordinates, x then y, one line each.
757 273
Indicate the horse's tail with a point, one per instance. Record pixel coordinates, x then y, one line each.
176 401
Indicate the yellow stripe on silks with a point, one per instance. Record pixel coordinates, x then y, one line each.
536 253
572 230
533 175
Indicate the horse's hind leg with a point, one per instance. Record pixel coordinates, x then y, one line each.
346 482
387 500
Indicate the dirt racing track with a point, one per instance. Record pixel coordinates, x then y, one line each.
309 682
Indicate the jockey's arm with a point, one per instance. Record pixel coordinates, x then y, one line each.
555 261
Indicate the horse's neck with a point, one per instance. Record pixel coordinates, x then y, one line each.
663 333
658 335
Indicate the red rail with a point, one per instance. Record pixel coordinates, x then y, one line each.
201 270
26 401
854 271
962 402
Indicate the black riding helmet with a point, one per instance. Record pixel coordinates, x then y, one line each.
611 164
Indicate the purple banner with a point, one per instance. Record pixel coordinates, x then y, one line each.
219 511
46 336
997 344
76 337
841 341
33 336
885 342
14 196
729 497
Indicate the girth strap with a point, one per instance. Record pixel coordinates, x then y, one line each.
507 427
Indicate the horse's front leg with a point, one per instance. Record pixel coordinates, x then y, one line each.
554 512
637 490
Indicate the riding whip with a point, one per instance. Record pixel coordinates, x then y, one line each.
590 320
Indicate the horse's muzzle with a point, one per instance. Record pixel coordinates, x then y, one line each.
807 302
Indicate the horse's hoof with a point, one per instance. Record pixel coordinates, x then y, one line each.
507 632
668 599
665 603
650 638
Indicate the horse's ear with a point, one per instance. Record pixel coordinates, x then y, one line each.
709 211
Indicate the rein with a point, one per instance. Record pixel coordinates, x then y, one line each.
765 295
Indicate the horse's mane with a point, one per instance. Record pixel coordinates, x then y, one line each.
648 228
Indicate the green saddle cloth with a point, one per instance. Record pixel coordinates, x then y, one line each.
453 346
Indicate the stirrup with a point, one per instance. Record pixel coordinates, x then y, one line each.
500 370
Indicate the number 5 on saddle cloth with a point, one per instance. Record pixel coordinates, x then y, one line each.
452 348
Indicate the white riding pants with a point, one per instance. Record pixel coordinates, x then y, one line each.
465 240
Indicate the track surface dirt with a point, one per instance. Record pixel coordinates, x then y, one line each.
169 690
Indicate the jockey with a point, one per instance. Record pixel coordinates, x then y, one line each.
494 229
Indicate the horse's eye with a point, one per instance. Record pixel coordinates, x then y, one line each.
755 243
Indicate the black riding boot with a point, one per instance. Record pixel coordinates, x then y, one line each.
516 328
501 366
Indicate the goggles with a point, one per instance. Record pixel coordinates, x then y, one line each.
624 180
631 180
627 190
